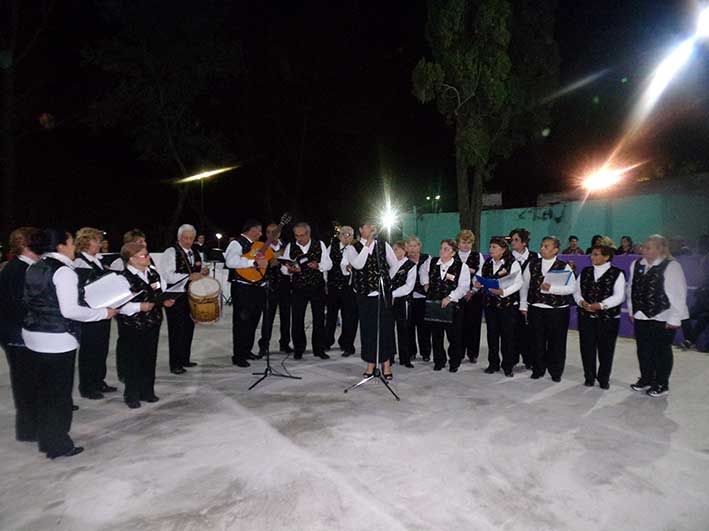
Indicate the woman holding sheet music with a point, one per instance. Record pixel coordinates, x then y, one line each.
140 322
501 305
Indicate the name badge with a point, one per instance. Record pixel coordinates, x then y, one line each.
450 277
303 260
155 285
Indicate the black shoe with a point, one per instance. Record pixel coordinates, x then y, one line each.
328 348
190 364
287 349
658 390
473 359
536 375
252 356
640 386
687 344
242 363
151 399
388 376
74 407
367 374
438 367
604 385
105 388
509 374
322 356
347 353
589 383
426 358
92 395
491 370
298 356
71 453
556 379
178 370
133 404
408 365
453 369
528 366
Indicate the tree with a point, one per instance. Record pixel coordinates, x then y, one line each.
162 77
493 63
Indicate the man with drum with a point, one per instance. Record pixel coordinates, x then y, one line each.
179 261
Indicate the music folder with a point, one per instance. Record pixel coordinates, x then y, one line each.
284 260
173 292
109 291
436 313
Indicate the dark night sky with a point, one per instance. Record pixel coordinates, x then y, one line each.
351 62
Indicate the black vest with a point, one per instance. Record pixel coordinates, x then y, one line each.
530 257
307 278
399 278
499 302
335 278
145 293
366 280
418 287
274 276
536 279
182 262
87 275
593 291
473 261
439 289
648 290
43 312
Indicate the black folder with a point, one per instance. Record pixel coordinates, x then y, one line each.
435 313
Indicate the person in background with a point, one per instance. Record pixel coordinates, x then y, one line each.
472 303
93 345
105 246
50 331
626 246
418 328
201 243
133 235
403 279
595 238
698 320
573 247
657 305
12 314
600 291
547 307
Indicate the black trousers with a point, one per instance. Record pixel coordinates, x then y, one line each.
654 344
248 302
278 299
373 313
472 323
141 354
180 329
402 319
501 328
54 381
341 300
524 341
23 380
550 328
454 333
316 298
597 339
120 354
419 330
93 351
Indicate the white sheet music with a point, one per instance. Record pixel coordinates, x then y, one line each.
556 278
109 291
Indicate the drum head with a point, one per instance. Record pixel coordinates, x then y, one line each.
204 287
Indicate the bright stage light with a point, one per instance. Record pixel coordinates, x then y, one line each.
205 175
389 218
703 24
606 177
219 235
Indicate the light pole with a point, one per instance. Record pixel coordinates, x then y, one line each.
219 240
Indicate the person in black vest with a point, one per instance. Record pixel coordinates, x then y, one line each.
340 295
657 304
12 314
403 280
177 262
547 309
472 303
501 306
418 329
141 319
600 291
93 345
370 259
50 330
446 281
311 260
279 297
524 339
248 298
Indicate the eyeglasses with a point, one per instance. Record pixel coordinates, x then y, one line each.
146 255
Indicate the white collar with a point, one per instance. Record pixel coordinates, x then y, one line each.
91 258
401 262
26 259
466 253
655 263
305 245
524 255
250 240
549 261
63 259
449 262
602 268
500 261
137 271
187 251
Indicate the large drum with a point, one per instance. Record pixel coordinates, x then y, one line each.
205 298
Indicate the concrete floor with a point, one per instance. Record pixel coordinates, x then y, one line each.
460 451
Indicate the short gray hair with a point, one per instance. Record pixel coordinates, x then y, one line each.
186 228
347 229
302 225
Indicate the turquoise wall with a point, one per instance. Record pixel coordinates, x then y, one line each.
673 215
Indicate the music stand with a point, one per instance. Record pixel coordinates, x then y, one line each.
376 373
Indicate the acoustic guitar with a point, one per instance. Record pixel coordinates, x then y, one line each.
261 250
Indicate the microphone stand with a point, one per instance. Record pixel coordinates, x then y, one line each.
381 293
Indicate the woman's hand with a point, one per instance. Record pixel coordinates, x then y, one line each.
146 306
195 276
545 287
496 291
168 303
445 302
669 326
112 312
477 285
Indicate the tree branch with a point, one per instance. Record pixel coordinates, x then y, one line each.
48 7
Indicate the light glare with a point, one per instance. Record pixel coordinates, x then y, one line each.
205 175
703 24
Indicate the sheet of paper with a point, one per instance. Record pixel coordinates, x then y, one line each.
558 278
109 291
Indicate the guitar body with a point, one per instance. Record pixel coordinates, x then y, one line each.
256 274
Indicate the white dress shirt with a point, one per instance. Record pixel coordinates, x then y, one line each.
26 259
358 260
132 308
521 257
464 255
80 264
168 266
66 283
463 280
675 288
324 265
568 289
616 299
427 265
408 287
